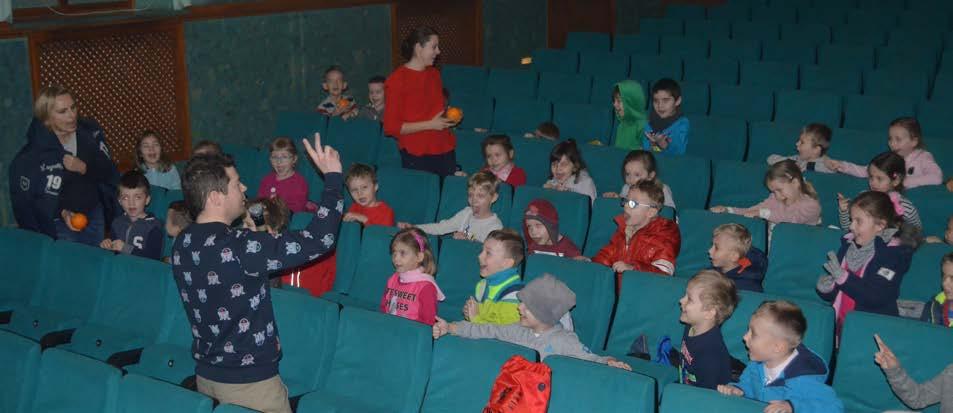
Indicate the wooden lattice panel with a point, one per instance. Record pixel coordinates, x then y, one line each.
455 21
126 81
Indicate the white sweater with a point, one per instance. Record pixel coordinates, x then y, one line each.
464 221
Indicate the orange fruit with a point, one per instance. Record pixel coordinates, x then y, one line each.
454 114
79 221
344 103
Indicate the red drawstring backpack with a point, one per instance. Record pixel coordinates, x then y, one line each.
521 387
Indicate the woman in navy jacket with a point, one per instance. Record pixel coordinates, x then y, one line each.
64 168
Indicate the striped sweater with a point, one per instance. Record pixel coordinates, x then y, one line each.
910 215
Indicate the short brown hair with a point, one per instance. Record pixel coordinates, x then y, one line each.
820 134
277 215
483 180
178 214
417 241
207 147
283 144
549 130
787 319
43 105
947 259
360 170
652 189
512 243
738 233
717 292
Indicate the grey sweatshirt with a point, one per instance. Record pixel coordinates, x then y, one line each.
555 341
918 396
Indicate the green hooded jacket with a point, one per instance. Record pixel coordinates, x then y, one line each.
629 127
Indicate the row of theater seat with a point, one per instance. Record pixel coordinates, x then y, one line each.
332 356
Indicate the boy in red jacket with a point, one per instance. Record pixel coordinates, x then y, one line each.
644 241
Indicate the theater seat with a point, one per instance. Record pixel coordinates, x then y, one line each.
683 398
463 372
458 273
414 195
388 354
71 382
140 394
573 210
795 274
580 385
21 358
696 227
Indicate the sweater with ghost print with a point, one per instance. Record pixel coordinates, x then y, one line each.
222 276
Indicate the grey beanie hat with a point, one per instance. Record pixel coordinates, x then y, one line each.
547 298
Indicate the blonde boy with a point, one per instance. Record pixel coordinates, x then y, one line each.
731 254
475 221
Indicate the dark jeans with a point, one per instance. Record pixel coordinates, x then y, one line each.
441 164
92 235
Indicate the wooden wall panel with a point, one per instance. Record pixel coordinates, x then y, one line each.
579 16
130 78
459 23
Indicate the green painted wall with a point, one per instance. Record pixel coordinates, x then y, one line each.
16 110
243 71
512 29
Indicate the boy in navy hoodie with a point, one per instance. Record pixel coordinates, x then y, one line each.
136 232
731 254
222 276
783 372
709 300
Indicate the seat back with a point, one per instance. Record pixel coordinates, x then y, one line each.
463 371
908 85
75 273
533 156
21 356
934 204
458 272
519 115
594 285
133 296
464 80
583 122
695 98
414 195
649 68
689 178
819 336
555 60
564 87
841 79
795 274
21 250
71 382
643 43
511 84
805 107
715 70
750 103
874 113
648 305
604 63
685 46
717 138
300 125
846 56
587 41
696 228
859 382
738 184
921 282
579 385
146 395
772 138
308 329
741 50
356 139
573 210
347 252
683 398
828 186
368 340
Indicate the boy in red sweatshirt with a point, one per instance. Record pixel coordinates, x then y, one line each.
541 230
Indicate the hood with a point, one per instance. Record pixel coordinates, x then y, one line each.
544 212
806 363
631 124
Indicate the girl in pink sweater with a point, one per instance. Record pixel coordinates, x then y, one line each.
412 292
905 139
284 182
792 198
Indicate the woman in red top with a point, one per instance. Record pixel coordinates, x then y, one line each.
414 106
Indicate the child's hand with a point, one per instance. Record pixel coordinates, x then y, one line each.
933 239
582 258
460 173
949 184
549 185
440 328
355 217
885 357
718 209
404 225
471 309
311 207
842 202
74 164
612 362
107 244
461 235
662 141
439 122
325 157
249 223
610 195
730 390
779 406
833 165
118 245
620 266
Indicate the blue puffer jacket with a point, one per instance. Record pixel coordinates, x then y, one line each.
40 186
801 384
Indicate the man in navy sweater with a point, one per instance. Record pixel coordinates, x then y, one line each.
222 276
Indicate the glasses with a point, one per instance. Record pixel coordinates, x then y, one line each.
281 158
631 203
